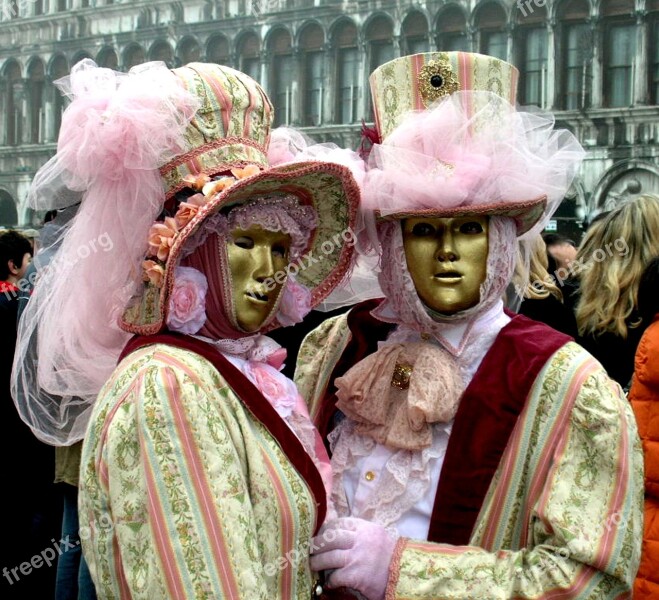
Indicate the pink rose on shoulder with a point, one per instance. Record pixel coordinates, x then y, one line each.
187 303
295 303
276 387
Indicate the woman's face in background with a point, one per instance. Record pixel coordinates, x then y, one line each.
255 256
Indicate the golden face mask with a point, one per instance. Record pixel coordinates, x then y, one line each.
255 255
447 259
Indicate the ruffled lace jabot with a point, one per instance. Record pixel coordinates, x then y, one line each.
401 484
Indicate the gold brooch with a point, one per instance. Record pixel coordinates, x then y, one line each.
436 79
401 377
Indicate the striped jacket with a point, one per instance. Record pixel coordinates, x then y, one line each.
562 516
184 493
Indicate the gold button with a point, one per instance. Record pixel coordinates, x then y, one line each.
369 476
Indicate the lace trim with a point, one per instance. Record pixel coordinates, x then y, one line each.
402 483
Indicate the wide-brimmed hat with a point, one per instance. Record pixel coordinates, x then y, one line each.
228 137
454 144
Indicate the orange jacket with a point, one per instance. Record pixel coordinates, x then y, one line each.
644 396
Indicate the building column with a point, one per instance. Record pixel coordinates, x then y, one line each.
297 89
641 67
552 66
329 88
472 38
397 45
48 133
21 124
265 58
510 31
597 80
364 54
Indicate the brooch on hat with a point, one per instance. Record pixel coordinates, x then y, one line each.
436 80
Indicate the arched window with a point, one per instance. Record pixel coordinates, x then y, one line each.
248 55
380 38
312 39
133 55
8 214
35 85
415 33
532 60
107 57
217 50
78 56
576 55
161 50
58 69
452 30
344 42
619 52
14 96
490 21
188 51
282 76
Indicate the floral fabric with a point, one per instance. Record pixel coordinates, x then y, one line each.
563 515
184 494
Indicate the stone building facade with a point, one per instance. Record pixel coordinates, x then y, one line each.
595 63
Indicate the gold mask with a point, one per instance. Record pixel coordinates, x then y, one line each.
256 255
447 259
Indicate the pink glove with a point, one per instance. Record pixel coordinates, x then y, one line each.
358 551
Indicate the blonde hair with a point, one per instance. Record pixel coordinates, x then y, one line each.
540 284
609 284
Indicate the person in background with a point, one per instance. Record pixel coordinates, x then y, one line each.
561 248
543 299
561 252
644 396
73 581
612 257
27 465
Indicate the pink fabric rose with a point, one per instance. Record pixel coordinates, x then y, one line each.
153 272
277 388
161 238
295 303
187 304
188 209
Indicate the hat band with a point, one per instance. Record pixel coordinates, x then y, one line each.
212 158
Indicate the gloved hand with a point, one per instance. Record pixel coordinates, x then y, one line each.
358 552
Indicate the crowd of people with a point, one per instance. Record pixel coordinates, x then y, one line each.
464 424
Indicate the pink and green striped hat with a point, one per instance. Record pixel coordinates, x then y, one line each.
230 134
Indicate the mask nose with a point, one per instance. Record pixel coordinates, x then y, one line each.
446 247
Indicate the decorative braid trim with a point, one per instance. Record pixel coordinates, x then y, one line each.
228 141
394 569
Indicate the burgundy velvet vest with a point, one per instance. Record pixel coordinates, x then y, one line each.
486 416
257 404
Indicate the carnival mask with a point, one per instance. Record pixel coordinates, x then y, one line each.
447 260
255 256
